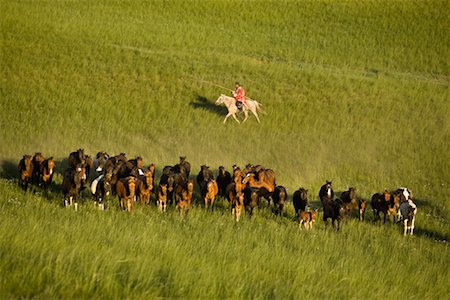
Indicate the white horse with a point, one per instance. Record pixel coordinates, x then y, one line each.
230 103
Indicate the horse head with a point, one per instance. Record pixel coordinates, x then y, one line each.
303 194
220 100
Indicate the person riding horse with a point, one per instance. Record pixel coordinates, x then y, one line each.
239 95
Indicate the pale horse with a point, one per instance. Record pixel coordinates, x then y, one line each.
252 105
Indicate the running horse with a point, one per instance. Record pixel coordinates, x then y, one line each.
230 103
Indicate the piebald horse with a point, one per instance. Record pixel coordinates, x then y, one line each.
230 103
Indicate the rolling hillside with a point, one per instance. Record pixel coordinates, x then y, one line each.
354 91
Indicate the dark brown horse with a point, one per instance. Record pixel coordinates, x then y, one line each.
223 179
25 168
326 192
381 203
37 161
279 197
333 209
101 188
300 200
349 200
100 161
72 184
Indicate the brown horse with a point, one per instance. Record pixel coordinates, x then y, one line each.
72 184
162 197
211 192
349 200
237 203
268 184
186 197
37 161
381 203
307 219
125 190
362 209
25 168
48 168
144 187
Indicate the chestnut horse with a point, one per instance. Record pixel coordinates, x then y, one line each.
47 170
186 197
211 192
126 189
230 103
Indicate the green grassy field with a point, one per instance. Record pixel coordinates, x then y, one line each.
354 91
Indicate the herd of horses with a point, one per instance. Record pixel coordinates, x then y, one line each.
244 189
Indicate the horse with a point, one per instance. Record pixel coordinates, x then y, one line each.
162 197
267 182
237 203
326 192
72 184
186 197
25 168
300 200
362 208
230 103
126 191
307 219
211 192
223 179
48 167
381 203
407 212
100 161
100 188
349 200
37 161
333 209
279 197
144 187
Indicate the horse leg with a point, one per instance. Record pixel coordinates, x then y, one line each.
234 116
246 116
256 115
405 227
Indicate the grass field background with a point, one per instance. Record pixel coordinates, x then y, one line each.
354 91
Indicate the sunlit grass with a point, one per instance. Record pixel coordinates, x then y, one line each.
355 92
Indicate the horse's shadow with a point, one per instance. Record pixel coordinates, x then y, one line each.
204 103
9 170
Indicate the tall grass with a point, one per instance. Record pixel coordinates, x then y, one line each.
355 92
148 254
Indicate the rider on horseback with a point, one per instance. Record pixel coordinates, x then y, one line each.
239 95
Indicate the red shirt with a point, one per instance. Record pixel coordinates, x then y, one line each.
239 94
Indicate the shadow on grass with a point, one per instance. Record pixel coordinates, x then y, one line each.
204 103
9 169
